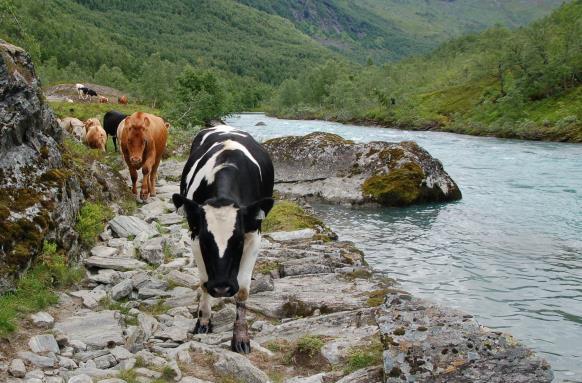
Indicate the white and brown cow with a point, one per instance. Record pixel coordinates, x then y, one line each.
226 191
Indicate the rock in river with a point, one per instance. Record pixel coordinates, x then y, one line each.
327 167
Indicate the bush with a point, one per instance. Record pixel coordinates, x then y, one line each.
91 221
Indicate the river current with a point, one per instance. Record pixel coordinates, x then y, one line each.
509 252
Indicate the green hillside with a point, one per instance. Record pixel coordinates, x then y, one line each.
391 29
523 83
141 41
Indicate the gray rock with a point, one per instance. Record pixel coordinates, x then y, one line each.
54 379
90 298
324 166
262 283
17 368
112 380
174 333
190 379
124 246
104 251
37 360
184 279
122 289
230 363
135 339
82 378
42 319
150 359
152 210
180 312
126 226
145 293
105 276
148 324
118 263
365 375
170 219
96 329
291 235
105 361
152 251
147 373
318 378
86 356
223 320
67 363
43 343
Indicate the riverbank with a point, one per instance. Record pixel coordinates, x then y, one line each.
568 130
319 313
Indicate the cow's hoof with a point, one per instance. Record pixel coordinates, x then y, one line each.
203 328
242 346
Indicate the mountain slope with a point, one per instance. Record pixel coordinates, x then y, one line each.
391 29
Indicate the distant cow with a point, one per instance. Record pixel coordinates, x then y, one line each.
142 137
79 91
111 122
95 137
122 100
87 92
226 191
103 100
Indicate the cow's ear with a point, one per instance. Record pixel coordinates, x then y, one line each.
146 122
192 211
255 213
167 125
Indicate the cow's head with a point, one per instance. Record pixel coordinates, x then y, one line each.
218 228
136 126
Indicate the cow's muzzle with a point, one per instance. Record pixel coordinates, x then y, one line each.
221 289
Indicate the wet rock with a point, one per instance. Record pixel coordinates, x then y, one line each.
117 263
126 226
325 166
122 289
42 319
43 343
17 368
152 251
95 329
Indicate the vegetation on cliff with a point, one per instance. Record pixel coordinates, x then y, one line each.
523 84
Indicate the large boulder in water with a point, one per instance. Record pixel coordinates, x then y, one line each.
39 198
327 167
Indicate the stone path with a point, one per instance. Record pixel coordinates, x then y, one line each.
133 318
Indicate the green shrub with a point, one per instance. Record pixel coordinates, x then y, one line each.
91 221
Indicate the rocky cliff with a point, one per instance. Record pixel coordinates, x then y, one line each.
38 196
325 166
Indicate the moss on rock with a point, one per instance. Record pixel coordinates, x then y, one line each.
400 187
289 216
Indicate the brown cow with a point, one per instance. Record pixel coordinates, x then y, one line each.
95 137
122 100
103 100
143 137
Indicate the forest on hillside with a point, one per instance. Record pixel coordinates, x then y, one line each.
523 83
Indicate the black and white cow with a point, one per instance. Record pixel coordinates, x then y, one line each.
226 191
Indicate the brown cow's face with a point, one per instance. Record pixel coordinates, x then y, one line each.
136 144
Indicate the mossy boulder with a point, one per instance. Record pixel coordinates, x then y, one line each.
39 196
324 166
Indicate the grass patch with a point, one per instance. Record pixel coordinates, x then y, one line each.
130 376
91 221
158 308
400 187
362 357
36 288
310 345
289 216
265 267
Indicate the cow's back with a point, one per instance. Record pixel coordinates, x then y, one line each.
111 121
224 147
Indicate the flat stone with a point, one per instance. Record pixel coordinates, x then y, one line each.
262 283
42 319
95 329
365 375
34 374
67 363
318 378
145 293
105 276
121 353
170 219
152 210
190 379
223 320
86 356
126 226
175 264
37 360
90 298
43 343
17 368
147 373
230 363
175 333
150 359
292 235
122 289
183 279
152 251
124 246
118 263
103 251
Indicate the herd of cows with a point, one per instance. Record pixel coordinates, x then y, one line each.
226 192
86 93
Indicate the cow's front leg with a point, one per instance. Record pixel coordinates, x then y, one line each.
133 175
241 342
203 324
